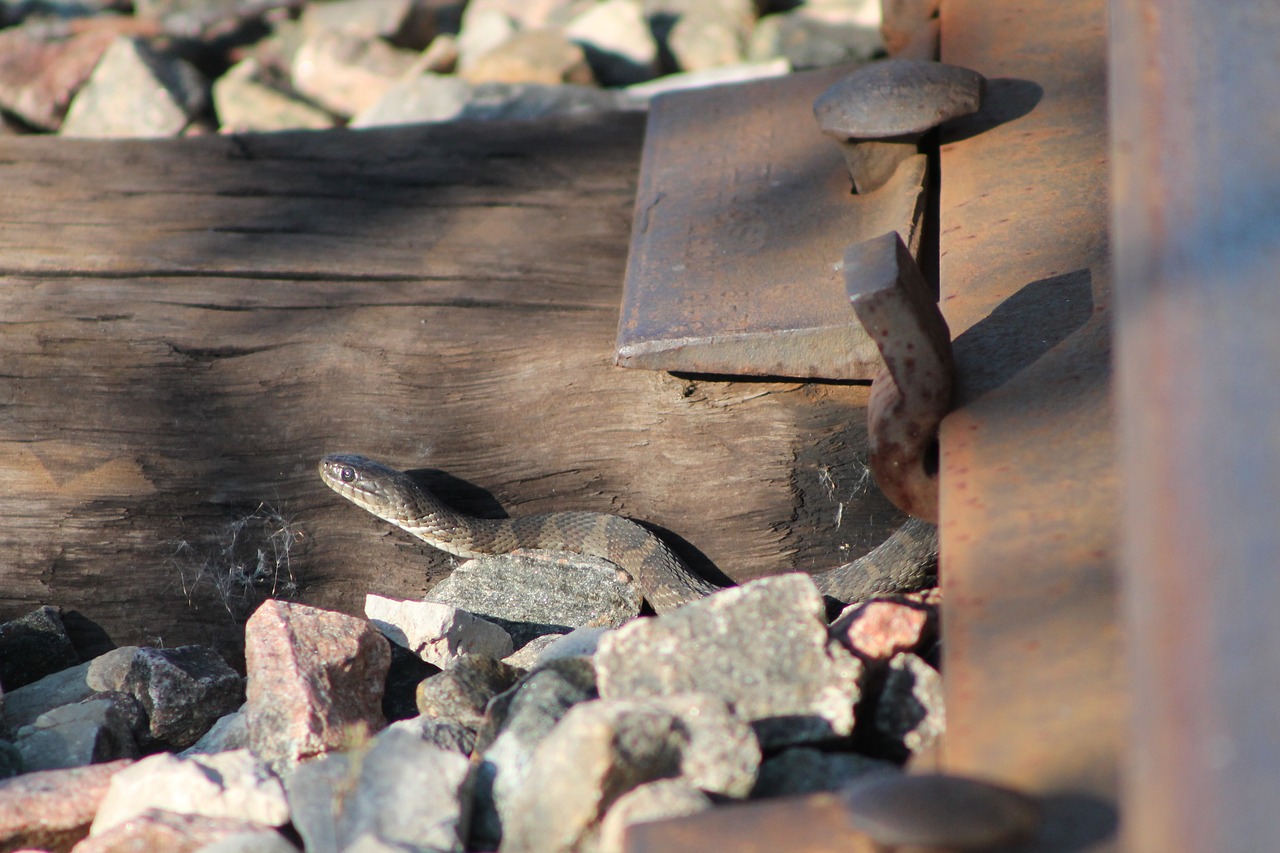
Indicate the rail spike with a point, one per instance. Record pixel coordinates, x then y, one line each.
912 393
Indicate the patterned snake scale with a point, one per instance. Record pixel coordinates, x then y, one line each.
906 560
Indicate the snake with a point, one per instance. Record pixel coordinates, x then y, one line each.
905 561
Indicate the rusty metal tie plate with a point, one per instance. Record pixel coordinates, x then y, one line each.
1028 489
743 213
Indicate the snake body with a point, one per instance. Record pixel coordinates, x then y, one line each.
906 560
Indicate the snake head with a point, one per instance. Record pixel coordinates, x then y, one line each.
361 480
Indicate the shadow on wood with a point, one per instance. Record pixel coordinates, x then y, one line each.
189 325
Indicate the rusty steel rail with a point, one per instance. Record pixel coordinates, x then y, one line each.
1194 104
1028 489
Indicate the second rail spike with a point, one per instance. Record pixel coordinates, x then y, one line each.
912 393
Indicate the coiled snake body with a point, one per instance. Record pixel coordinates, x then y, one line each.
906 560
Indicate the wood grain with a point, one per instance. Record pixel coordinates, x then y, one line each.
187 326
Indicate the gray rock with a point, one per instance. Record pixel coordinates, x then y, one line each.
660 800
400 790
803 770
22 706
530 56
722 755
528 101
617 40
809 39
461 694
229 784
183 691
104 673
516 723
909 711
761 647
347 73
136 91
10 760
599 751
231 731
421 98
246 102
315 684
440 634
32 647
93 731
444 734
557 593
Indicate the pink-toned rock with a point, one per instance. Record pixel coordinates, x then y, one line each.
157 830
315 681
39 73
878 629
52 809
531 56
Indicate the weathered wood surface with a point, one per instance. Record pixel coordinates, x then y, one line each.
186 327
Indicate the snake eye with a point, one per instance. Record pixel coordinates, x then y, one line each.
347 474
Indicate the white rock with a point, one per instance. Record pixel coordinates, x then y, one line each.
618 35
260 841
579 641
424 98
347 73
482 31
246 104
723 76
437 633
227 784
136 92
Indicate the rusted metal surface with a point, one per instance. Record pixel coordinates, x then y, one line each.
882 811
742 215
1029 494
817 823
913 392
1196 113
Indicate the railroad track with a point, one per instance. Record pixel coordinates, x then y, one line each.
1099 505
